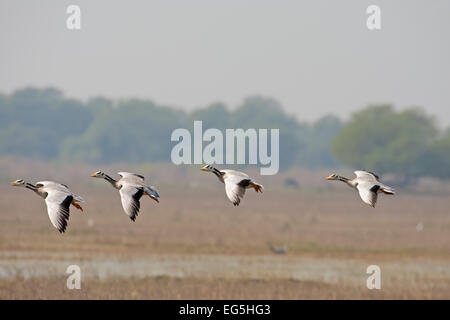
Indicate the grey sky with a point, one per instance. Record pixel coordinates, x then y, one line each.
315 57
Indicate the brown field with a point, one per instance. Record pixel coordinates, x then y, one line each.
196 245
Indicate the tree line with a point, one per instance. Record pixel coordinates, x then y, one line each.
44 124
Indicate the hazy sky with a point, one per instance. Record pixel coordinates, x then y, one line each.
315 57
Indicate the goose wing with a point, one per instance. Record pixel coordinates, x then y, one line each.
372 177
368 192
53 185
130 196
60 187
234 173
366 175
235 187
129 175
58 203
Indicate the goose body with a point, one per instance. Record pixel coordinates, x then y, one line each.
368 185
236 183
131 188
58 199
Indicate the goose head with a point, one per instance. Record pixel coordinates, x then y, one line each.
98 174
207 168
332 177
18 183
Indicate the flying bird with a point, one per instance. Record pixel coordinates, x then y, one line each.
58 199
367 185
235 183
131 188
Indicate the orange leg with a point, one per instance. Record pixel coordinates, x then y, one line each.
256 187
76 205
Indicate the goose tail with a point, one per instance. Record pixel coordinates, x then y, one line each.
152 193
387 190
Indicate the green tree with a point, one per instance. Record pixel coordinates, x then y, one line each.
36 121
215 115
267 113
318 139
436 161
133 131
383 140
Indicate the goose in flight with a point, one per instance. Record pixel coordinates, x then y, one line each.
131 188
58 199
235 183
367 185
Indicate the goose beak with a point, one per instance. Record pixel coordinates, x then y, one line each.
93 175
329 178
202 169
13 183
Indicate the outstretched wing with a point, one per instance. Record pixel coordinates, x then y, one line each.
131 175
368 192
130 196
234 174
54 186
366 175
58 208
235 188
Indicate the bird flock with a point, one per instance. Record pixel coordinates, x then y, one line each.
58 197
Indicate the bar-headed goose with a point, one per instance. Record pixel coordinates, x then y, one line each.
367 185
235 183
58 199
131 188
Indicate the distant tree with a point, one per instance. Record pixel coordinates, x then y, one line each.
266 113
100 104
5 111
380 139
133 131
42 123
436 161
318 151
37 120
215 115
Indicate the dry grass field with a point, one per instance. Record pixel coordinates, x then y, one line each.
195 244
